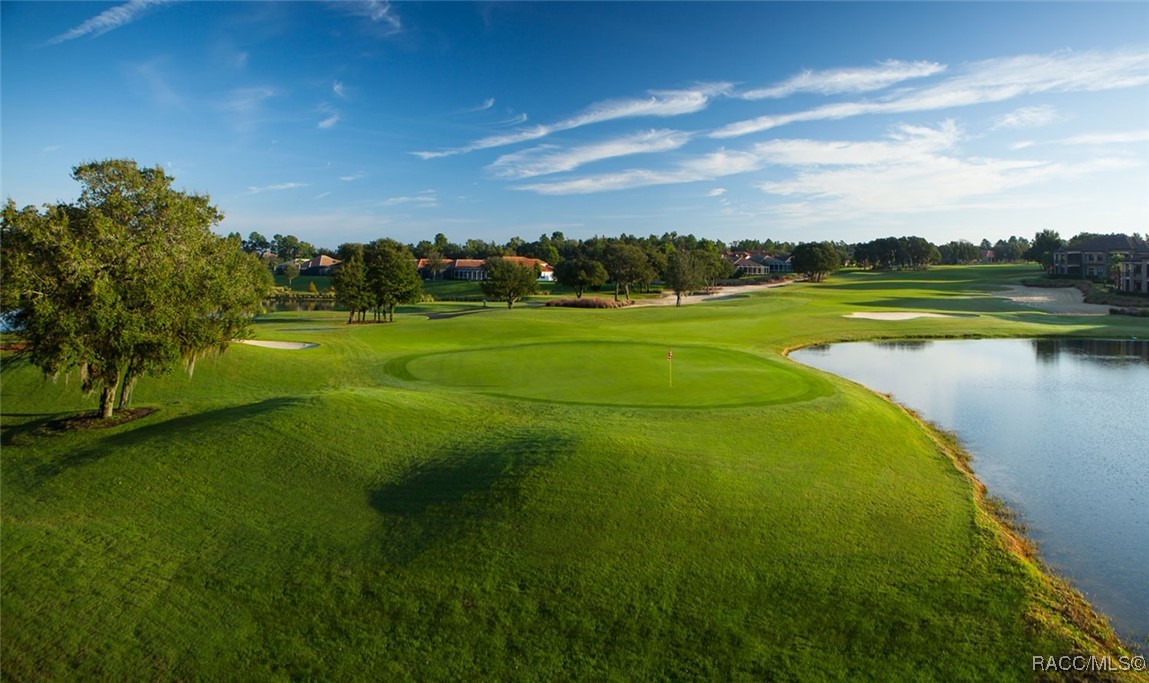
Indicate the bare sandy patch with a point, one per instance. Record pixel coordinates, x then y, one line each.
896 315
717 294
285 345
1056 300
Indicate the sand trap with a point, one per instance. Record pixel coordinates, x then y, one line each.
1055 300
896 315
290 346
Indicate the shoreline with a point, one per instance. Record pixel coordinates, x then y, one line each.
1057 606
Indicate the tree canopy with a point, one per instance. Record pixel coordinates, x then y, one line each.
126 282
509 281
580 274
816 260
685 272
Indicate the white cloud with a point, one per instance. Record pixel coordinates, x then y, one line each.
338 88
855 80
512 121
426 199
660 103
1118 138
378 11
275 188
1027 117
707 167
994 80
916 169
548 159
247 100
109 19
329 122
905 144
358 175
716 192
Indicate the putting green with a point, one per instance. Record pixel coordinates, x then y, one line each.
621 374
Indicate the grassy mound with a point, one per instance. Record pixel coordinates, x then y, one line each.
618 374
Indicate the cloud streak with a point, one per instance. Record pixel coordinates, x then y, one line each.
660 103
275 188
916 169
705 167
109 20
1026 117
854 80
994 80
547 159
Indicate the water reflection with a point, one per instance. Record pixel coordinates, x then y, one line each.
1056 428
1096 350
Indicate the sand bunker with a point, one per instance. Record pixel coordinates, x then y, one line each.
896 315
1058 301
290 346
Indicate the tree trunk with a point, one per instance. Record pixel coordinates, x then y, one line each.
627 287
616 290
351 317
510 302
108 399
678 301
126 392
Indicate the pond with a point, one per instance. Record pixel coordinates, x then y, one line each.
1057 429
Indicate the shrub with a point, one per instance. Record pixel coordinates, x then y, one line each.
589 302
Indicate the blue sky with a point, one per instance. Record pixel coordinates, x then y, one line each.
348 121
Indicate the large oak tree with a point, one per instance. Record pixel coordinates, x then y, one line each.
128 281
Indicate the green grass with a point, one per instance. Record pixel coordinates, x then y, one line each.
475 493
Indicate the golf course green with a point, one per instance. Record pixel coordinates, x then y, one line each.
618 374
475 493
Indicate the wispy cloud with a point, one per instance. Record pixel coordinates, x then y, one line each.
903 145
155 84
358 175
854 80
515 120
109 20
1026 117
338 88
378 11
549 159
247 100
995 80
333 117
716 192
487 104
706 167
1117 138
916 169
426 199
660 103
275 188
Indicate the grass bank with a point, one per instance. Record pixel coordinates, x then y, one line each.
474 492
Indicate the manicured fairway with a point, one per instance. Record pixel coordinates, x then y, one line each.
478 493
627 374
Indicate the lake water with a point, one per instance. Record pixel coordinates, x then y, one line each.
1059 429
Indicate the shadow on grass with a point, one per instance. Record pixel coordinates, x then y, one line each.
943 302
456 314
156 434
439 502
